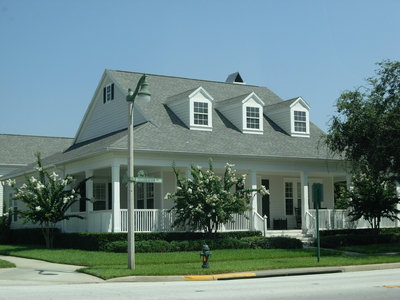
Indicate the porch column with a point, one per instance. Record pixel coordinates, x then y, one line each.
89 195
116 203
254 199
304 199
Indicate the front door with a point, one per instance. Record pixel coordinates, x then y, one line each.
265 202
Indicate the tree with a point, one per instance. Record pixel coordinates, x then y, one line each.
366 134
366 130
47 199
206 200
373 199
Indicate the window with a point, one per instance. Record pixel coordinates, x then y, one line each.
200 113
145 196
14 206
108 93
253 117
99 194
300 121
289 198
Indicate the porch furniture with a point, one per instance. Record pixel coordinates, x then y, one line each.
280 224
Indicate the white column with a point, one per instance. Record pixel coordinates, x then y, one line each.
254 198
116 203
89 195
1 197
304 199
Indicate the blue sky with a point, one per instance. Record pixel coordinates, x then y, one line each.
53 53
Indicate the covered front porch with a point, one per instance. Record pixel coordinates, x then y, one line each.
161 220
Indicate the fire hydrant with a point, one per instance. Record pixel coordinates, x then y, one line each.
206 255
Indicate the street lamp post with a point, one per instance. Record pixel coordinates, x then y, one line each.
142 95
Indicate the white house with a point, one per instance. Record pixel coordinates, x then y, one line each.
187 122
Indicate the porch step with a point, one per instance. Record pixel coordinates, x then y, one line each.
306 238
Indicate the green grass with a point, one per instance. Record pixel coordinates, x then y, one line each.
6 264
109 265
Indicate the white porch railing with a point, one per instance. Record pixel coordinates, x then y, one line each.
160 220
338 219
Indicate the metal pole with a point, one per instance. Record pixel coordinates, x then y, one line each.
131 193
318 241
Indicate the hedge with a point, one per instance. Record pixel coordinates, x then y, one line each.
214 244
98 241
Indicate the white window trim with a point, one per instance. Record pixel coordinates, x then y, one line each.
246 129
292 123
194 126
98 200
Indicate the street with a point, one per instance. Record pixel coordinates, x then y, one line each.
381 284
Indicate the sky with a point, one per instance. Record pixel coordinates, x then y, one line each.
54 52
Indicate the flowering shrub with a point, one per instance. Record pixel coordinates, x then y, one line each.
47 199
206 200
5 222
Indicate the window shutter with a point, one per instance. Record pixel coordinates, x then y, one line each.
104 95
112 91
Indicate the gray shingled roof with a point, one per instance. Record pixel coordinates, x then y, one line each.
166 133
20 149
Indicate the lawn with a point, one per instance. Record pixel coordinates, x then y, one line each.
109 265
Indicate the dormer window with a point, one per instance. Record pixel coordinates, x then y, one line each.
291 115
194 108
200 113
300 121
253 117
245 112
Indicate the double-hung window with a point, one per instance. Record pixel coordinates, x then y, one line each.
300 121
200 113
289 193
100 195
253 117
108 93
145 196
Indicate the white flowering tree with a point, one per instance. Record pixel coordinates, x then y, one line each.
47 199
206 200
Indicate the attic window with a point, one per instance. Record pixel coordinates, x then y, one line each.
253 117
300 121
108 93
200 113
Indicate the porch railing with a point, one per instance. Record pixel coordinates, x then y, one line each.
160 220
338 219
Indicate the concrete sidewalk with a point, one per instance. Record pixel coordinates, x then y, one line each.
36 272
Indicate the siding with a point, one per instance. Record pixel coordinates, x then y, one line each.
108 117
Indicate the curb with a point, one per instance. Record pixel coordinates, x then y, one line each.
258 274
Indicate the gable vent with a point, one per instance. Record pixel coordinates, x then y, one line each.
234 78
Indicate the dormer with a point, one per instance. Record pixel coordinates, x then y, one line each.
194 108
245 112
291 115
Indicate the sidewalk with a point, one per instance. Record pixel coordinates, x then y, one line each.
36 272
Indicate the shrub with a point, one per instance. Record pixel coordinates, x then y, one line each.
343 240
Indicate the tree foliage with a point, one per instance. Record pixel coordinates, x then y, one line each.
373 199
366 134
47 199
366 129
206 200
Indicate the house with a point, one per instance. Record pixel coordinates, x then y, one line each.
187 122
17 151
